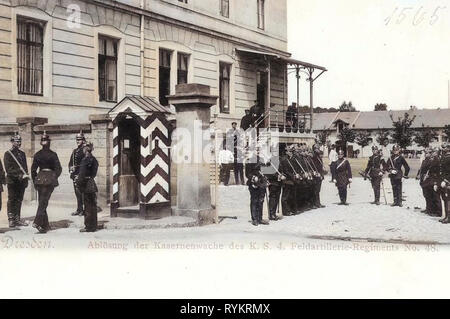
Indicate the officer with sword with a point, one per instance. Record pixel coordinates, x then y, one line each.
16 179
374 171
394 166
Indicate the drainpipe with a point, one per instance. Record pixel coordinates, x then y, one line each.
142 47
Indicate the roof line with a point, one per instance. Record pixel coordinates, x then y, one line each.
356 118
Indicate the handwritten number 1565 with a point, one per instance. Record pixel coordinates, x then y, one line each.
399 15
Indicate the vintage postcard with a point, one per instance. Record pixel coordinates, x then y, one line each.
279 146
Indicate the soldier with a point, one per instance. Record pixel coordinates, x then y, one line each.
2 182
343 174
74 170
430 180
394 166
16 179
374 170
45 180
444 187
86 183
304 184
318 166
287 169
257 184
421 174
275 179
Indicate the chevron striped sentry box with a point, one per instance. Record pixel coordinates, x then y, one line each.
153 176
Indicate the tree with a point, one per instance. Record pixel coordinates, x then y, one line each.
383 137
346 135
402 134
347 107
363 139
425 136
446 132
380 107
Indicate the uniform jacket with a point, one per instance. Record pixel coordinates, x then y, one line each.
252 169
246 121
273 177
13 172
2 177
343 172
88 170
318 163
445 167
45 160
375 166
286 164
396 162
423 170
75 161
431 175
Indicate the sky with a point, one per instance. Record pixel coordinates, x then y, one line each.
376 51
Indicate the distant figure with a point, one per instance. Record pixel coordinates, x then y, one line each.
343 173
333 157
246 120
226 160
292 116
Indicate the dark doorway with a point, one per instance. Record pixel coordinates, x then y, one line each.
261 90
129 162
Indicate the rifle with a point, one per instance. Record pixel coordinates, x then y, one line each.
293 169
304 172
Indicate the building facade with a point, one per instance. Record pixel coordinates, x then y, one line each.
377 121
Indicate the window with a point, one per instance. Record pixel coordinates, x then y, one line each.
164 75
107 69
225 8
30 36
184 1
183 60
224 87
260 14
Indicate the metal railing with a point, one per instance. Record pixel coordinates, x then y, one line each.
284 121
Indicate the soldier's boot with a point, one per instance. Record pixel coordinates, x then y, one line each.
12 224
21 223
445 220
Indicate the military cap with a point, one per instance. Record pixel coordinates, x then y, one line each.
80 136
16 138
45 137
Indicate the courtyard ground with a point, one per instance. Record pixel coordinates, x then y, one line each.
359 222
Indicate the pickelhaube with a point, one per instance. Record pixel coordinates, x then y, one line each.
341 152
374 148
80 136
396 148
16 137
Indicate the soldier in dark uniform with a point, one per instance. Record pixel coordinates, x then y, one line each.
374 170
318 165
444 187
257 184
287 169
421 174
275 179
16 179
246 120
343 174
394 167
304 184
45 180
2 182
430 180
74 170
86 183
